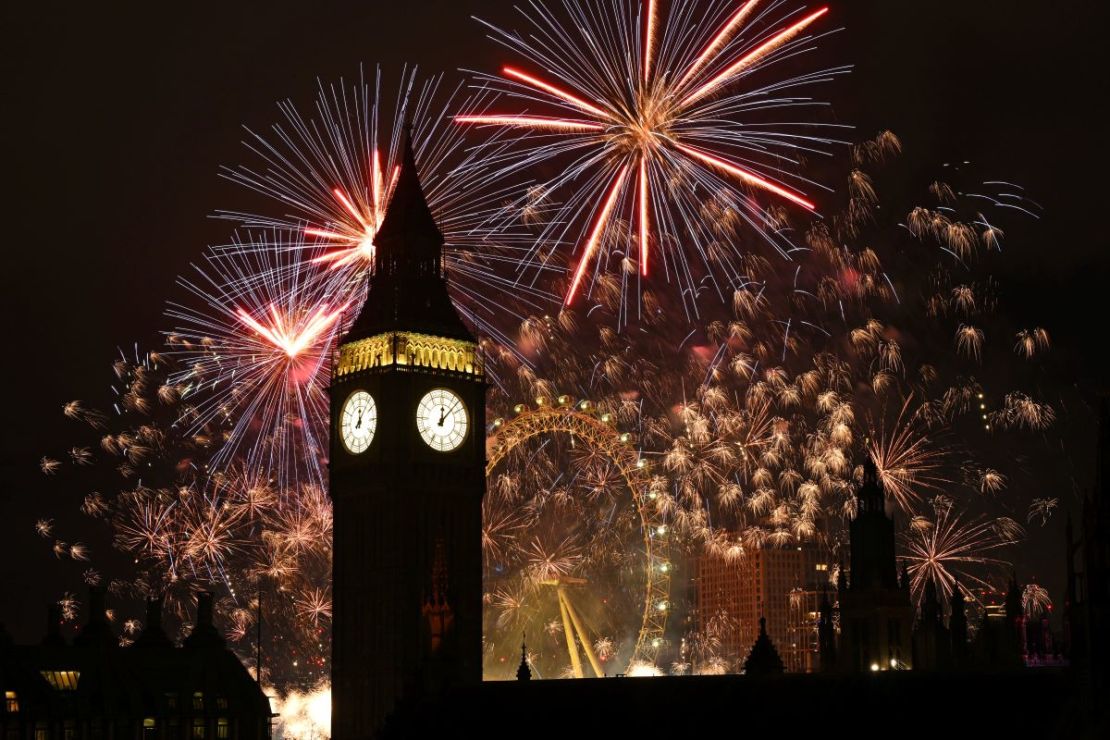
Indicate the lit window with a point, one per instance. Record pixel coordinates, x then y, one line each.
223 728
62 680
198 701
11 701
198 727
41 731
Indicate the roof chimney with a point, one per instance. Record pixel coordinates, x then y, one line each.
96 605
204 633
54 626
153 635
96 629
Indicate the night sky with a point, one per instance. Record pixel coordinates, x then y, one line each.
118 116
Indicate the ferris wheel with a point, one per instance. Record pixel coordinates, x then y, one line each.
597 430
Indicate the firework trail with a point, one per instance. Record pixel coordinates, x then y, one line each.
333 174
654 134
254 348
908 462
953 550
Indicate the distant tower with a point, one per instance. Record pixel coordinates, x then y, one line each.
407 476
1015 618
932 643
876 615
1096 559
523 672
957 626
826 636
763 660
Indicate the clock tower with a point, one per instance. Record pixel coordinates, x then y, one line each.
407 476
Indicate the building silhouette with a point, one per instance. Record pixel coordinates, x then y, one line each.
876 616
407 476
93 688
932 640
1087 598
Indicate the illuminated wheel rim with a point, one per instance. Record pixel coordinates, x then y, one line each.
599 431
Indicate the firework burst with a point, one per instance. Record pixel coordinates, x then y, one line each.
254 357
955 549
335 171
908 463
664 127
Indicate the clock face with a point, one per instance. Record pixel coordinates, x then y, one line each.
441 419
358 421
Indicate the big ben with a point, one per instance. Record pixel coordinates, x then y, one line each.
407 476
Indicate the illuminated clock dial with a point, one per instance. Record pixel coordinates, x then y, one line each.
358 421
441 419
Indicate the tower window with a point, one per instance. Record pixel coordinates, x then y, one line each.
198 728
223 728
198 701
11 702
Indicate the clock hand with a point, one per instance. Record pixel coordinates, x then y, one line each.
442 415
359 424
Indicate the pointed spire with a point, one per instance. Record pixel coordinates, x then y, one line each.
409 241
408 285
1014 607
930 605
523 672
870 494
957 624
870 470
764 659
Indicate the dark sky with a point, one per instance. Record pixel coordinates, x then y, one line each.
118 115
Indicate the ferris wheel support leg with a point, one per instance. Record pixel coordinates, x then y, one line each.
568 632
583 638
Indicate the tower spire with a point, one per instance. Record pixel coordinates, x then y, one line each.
523 672
407 286
409 240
